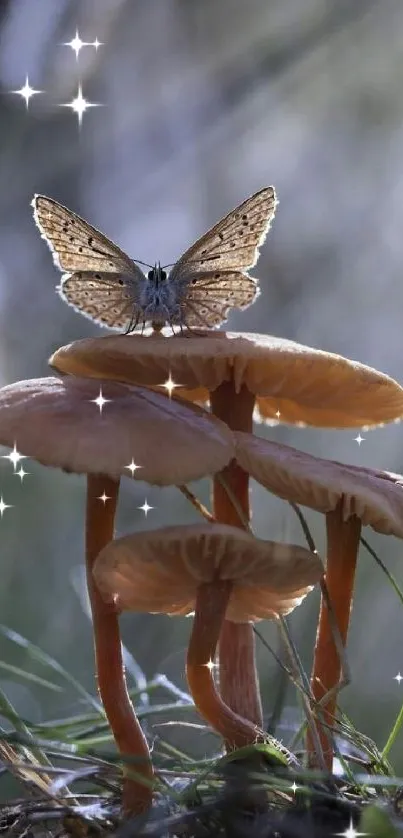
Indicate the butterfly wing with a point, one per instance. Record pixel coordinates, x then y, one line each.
233 243
111 300
102 282
75 244
208 297
212 275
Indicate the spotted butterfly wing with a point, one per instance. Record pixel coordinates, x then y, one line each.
235 240
112 300
212 275
101 282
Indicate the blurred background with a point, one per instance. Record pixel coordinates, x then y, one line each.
200 104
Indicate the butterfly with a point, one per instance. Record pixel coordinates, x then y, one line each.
211 277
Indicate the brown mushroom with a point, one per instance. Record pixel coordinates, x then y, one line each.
215 571
60 423
290 382
350 497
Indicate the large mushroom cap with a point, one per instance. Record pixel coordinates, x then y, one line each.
159 571
57 422
376 497
303 385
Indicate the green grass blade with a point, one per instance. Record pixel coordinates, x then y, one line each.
46 660
8 711
29 676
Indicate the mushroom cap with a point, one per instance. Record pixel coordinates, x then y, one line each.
376 497
159 571
56 422
307 386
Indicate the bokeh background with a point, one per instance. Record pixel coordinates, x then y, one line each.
203 103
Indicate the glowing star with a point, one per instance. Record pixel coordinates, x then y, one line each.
211 665
76 44
14 456
3 506
351 832
359 439
27 92
146 508
79 105
294 787
398 678
103 497
132 467
170 385
100 401
22 473
278 414
96 44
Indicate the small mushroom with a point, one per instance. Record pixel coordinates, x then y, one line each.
59 423
350 497
287 382
216 571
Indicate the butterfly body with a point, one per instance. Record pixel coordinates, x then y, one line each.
211 278
158 299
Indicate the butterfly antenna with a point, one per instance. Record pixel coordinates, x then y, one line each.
145 264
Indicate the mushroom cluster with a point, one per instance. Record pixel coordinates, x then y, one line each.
55 423
282 381
218 571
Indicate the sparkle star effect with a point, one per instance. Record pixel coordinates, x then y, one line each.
21 473
278 414
294 787
14 457
100 401
398 678
145 508
76 44
79 105
103 497
27 92
211 665
351 832
132 467
170 385
3 506
359 439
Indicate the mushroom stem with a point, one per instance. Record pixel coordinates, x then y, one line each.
343 538
126 729
211 604
239 685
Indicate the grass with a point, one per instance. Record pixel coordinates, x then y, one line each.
70 779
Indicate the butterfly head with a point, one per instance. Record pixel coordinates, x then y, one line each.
157 275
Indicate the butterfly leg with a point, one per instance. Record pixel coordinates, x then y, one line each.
172 324
133 323
191 332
